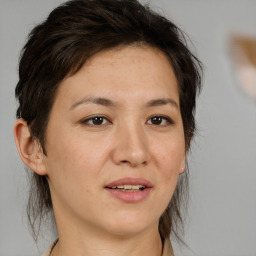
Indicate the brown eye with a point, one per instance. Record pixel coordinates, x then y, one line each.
96 121
159 120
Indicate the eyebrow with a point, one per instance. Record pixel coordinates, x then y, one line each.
160 102
108 103
98 101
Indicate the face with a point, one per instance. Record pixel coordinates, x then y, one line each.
115 142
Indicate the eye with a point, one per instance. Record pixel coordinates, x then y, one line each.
96 121
160 120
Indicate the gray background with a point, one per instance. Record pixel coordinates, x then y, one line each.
222 211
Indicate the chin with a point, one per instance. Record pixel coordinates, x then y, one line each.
129 225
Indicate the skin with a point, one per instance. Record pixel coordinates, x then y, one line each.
82 157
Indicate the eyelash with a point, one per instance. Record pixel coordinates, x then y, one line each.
104 121
94 118
162 118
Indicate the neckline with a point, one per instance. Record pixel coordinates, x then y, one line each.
167 248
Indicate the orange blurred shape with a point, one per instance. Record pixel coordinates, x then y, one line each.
244 57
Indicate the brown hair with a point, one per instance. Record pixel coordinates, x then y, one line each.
61 45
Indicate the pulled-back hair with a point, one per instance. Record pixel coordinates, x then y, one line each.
60 46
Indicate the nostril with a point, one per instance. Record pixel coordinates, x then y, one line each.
130 154
133 162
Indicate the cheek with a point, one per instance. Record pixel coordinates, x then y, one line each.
75 153
170 154
73 173
73 165
169 157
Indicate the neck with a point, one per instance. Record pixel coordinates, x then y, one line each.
79 237
90 244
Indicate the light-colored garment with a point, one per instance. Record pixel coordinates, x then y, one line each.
167 250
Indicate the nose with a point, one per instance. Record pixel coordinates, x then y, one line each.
131 147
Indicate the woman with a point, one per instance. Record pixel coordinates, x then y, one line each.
106 96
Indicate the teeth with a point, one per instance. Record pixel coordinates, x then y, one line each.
129 187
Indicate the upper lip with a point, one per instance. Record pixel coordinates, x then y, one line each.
130 181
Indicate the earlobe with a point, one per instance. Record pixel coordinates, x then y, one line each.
29 148
183 166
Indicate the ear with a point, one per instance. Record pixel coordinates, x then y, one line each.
29 148
183 165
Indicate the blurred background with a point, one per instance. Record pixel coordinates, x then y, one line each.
222 210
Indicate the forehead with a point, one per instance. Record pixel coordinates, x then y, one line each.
124 72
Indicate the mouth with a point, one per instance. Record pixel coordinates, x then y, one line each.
130 190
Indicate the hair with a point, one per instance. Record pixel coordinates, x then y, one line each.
59 47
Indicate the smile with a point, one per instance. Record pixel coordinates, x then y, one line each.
130 190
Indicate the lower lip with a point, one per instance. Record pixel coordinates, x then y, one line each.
130 197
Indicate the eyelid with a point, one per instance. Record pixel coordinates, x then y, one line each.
164 117
85 121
